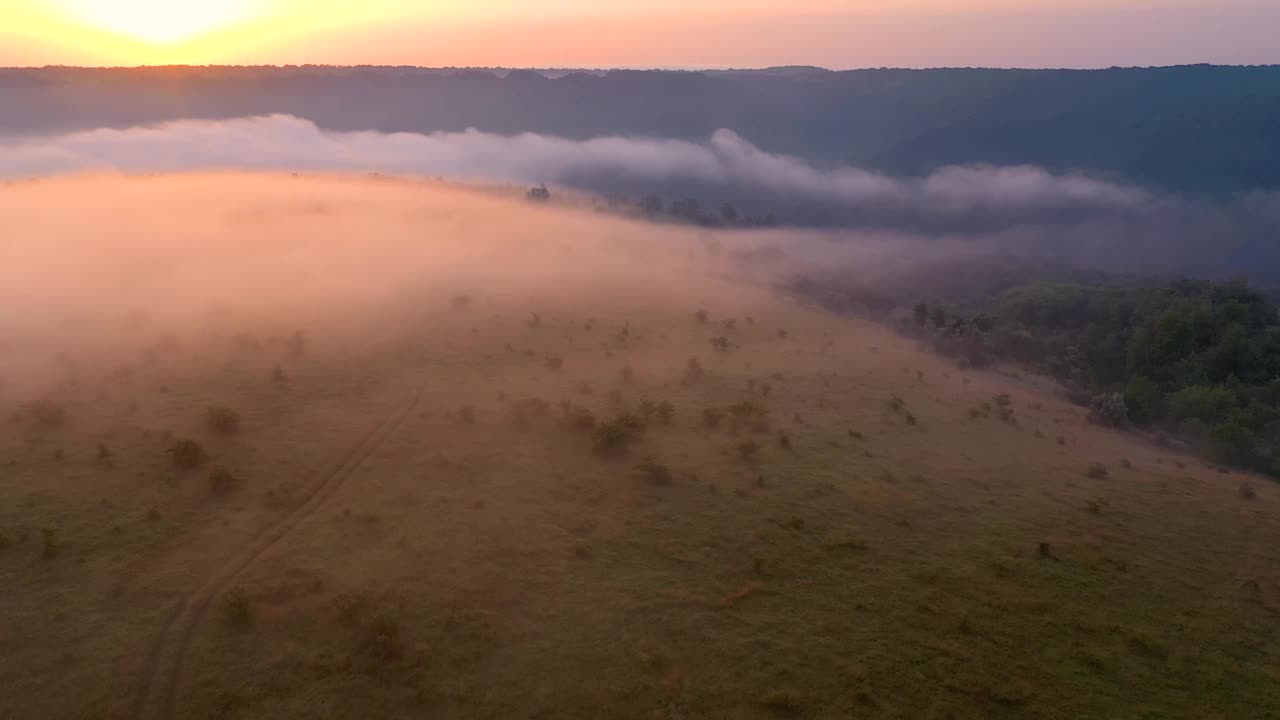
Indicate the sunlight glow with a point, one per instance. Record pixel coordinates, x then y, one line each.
157 21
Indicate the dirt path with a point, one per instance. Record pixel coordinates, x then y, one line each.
161 676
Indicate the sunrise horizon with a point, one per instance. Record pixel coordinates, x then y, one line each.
713 34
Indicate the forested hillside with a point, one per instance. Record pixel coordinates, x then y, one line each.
1201 129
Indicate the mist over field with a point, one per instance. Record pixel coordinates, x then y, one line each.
353 417
1022 209
98 269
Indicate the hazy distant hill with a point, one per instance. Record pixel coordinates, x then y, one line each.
1192 128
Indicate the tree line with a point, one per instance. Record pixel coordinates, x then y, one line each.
1197 360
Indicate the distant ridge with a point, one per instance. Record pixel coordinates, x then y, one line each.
1199 129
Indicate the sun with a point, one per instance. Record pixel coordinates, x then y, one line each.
157 21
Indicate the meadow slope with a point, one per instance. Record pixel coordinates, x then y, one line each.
485 459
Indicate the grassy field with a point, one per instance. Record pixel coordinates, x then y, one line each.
597 474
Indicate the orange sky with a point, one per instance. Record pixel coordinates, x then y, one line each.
635 33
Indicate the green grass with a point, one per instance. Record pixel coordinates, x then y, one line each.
490 563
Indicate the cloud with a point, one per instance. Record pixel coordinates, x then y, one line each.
1065 217
725 165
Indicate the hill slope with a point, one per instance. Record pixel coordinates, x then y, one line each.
460 493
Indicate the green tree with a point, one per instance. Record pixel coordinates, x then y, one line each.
921 314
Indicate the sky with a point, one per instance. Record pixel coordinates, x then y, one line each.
837 34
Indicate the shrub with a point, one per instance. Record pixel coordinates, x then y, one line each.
711 417
783 703
748 449
701 315
720 343
1124 463
460 302
381 639
1247 492
1109 409
187 454
50 548
1097 471
747 409
666 412
298 343
467 415
784 441
1201 402
524 412
648 409
237 609
222 482
45 413
222 420
656 473
693 369
617 434
555 364
581 418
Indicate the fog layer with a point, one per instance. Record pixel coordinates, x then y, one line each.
97 273
726 162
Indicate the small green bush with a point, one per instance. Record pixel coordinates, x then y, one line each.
617 434
50 548
656 473
45 413
693 369
648 409
747 409
381 640
783 703
222 482
581 418
666 412
187 454
222 420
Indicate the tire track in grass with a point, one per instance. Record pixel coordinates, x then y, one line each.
157 686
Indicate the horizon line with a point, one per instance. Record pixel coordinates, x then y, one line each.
630 68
